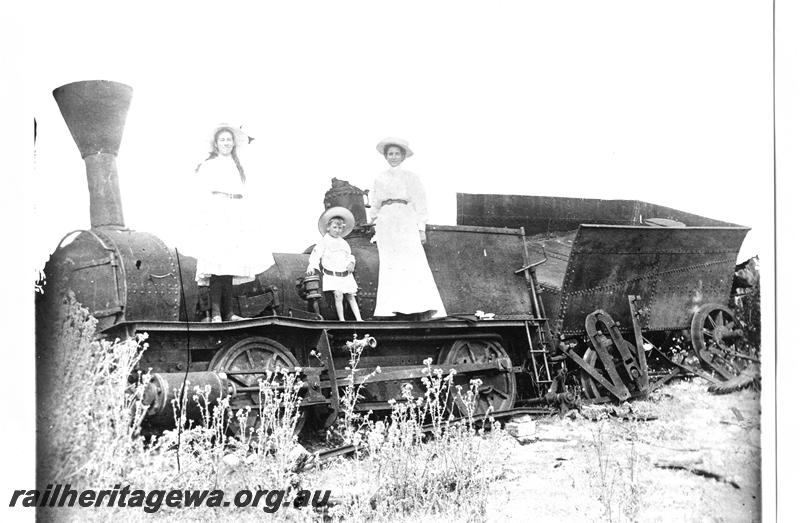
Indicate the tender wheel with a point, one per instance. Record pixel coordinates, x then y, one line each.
718 340
259 354
498 390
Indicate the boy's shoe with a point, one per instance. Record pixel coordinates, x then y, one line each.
216 319
234 317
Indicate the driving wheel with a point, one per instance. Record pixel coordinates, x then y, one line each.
498 389
267 358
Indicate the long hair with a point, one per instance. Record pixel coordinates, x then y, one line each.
214 153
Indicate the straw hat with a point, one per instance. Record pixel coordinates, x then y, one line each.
240 138
403 144
337 212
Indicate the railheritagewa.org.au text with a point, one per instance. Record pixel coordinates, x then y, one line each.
150 501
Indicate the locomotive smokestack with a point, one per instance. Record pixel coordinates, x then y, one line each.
95 114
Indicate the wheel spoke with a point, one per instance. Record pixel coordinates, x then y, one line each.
256 355
472 359
719 320
500 389
716 352
713 343
499 392
270 365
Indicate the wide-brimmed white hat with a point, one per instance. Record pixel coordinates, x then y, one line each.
337 212
240 138
403 144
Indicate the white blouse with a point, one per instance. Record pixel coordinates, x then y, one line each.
220 174
398 184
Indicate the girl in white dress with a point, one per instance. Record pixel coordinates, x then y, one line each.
333 257
399 211
220 263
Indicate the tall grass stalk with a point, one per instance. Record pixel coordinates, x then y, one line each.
616 479
88 416
420 461
415 462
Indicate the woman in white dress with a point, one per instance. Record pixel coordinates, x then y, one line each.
220 261
399 211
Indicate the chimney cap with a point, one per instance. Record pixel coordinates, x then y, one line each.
95 112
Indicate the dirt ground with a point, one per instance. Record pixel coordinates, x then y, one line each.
699 460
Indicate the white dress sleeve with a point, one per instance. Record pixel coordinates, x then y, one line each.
375 199
416 193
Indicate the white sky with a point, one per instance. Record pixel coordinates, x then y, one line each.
668 102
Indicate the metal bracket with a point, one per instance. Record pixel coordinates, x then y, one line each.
708 377
644 378
601 343
314 390
620 392
324 348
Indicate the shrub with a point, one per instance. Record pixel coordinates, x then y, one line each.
87 417
415 462
420 461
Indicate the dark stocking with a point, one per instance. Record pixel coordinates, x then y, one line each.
216 285
227 297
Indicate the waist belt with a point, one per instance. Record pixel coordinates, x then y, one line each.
227 195
394 200
334 273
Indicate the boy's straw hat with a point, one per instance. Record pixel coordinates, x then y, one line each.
337 212
240 138
403 144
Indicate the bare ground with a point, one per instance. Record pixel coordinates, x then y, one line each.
700 460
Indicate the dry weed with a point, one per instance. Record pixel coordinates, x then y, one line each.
415 463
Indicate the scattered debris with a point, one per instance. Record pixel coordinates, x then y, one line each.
750 377
301 458
677 449
595 412
545 433
689 466
625 411
231 460
521 427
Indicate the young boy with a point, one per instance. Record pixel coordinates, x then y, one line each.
333 256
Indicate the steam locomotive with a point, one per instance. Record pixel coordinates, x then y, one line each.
570 287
